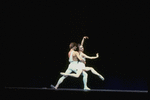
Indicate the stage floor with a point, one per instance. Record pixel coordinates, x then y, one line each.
33 93
73 89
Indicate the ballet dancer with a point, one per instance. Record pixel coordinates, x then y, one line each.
83 56
73 66
82 65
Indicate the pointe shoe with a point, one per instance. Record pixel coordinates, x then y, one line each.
86 88
102 78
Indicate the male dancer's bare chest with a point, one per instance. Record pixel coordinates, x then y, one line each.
73 55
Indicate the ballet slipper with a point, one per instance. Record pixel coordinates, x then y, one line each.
86 88
102 78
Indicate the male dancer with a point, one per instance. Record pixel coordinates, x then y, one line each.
82 65
73 66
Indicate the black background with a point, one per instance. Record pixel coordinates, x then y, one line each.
36 37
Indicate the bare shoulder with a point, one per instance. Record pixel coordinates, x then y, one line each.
76 53
82 54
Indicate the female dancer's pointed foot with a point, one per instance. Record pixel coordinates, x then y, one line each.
52 86
102 78
86 88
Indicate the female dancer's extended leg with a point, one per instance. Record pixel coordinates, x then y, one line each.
94 72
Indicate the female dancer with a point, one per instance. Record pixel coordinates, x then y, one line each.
83 56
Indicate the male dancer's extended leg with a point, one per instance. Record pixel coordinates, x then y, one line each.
78 72
94 72
68 71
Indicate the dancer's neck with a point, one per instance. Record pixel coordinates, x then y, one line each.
71 49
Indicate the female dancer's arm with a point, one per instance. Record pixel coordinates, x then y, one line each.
85 37
97 55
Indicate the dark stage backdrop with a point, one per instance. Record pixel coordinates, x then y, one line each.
37 35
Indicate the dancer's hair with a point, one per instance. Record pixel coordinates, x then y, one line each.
78 46
72 44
